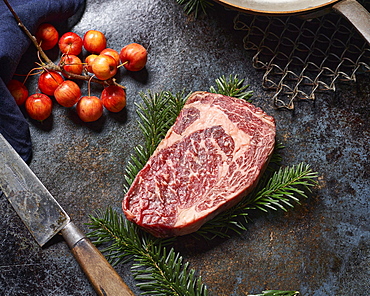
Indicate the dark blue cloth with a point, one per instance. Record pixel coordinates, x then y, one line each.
13 44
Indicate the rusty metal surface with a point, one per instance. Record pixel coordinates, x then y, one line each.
321 247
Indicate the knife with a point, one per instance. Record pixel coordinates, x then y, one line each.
44 218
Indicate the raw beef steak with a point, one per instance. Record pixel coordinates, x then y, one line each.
210 158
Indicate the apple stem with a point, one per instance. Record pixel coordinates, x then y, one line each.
29 74
88 86
120 65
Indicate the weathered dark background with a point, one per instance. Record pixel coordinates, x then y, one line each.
321 247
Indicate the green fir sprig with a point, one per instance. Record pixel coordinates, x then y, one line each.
285 187
232 87
158 269
195 6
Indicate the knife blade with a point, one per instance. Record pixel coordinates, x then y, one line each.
44 218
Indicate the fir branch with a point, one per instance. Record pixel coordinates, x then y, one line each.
118 236
155 118
232 87
285 187
166 274
157 270
195 6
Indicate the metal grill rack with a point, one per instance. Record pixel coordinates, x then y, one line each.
302 57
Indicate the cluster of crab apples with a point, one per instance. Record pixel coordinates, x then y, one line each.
59 81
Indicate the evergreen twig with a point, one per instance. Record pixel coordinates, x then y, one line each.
233 87
159 271
285 187
195 6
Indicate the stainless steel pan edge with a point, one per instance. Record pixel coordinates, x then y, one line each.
279 7
352 10
356 14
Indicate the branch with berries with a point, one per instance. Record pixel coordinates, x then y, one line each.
58 79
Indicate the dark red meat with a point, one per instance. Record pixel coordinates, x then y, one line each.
211 157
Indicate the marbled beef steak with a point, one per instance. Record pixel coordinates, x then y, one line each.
210 158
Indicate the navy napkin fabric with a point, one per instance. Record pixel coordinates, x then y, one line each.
13 44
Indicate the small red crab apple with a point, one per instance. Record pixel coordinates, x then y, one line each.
67 93
47 36
39 106
70 43
111 52
49 81
89 108
133 57
72 63
18 90
113 98
104 67
94 41
88 60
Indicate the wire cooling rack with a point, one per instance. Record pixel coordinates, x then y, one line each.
302 57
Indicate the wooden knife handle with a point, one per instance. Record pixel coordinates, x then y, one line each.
105 280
